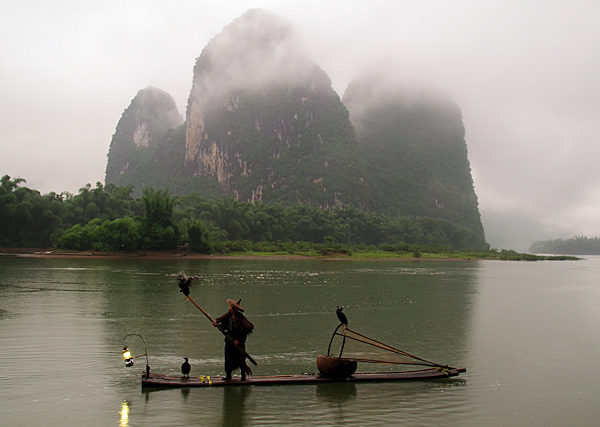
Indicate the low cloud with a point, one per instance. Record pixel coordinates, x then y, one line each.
523 73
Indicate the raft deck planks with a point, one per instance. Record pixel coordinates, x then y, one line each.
166 381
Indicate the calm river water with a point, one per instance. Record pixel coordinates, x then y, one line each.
527 332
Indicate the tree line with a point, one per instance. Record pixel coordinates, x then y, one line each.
578 245
109 218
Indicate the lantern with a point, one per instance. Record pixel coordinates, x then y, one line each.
127 356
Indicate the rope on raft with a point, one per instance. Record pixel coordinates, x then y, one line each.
347 334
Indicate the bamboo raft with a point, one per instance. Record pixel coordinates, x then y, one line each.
331 368
168 381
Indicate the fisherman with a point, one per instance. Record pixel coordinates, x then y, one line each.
237 328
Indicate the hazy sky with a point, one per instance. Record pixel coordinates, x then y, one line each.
526 75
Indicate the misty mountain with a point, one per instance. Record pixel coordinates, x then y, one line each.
264 121
510 230
148 147
414 142
140 132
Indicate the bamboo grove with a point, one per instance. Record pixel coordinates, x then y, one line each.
109 218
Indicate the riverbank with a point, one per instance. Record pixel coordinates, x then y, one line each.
55 253
378 255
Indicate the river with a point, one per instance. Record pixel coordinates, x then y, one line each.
527 333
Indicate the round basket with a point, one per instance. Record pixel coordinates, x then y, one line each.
334 367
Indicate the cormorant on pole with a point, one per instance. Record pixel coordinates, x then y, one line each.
186 368
185 282
341 315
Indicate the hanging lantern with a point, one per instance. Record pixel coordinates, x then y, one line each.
127 356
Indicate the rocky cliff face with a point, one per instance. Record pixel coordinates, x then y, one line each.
264 121
140 133
414 142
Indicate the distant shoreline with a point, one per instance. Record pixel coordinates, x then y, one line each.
367 256
57 253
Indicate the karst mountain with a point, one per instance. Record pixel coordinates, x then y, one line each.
264 124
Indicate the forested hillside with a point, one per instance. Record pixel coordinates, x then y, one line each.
414 143
145 138
111 219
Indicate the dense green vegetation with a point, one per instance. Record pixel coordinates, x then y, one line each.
579 245
111 219
415 147
30 219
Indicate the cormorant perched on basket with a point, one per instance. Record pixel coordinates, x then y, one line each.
341 315
186 368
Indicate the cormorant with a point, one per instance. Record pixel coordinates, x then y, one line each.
184 283
186 368
341 315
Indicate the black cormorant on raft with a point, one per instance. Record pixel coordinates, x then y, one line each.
186 368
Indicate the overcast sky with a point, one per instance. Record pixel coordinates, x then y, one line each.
526 75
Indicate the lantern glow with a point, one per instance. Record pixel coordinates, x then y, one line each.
124 414
127 357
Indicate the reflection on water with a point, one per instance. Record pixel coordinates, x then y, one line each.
336 395
124 412
185 392
234 406
507 323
